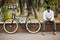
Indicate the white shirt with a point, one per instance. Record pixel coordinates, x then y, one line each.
49 15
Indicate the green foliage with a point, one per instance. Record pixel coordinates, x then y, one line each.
4 18
45 5
35 1
4 9
50 3
4 12
54 2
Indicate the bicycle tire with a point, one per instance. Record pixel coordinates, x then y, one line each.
33 31
4 27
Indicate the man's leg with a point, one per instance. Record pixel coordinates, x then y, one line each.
43 25
54 27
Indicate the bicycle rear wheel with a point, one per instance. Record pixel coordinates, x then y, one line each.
33 27
10 27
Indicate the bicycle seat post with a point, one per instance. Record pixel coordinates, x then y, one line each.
13 16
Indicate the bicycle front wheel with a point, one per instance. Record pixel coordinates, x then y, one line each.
10 27
33 27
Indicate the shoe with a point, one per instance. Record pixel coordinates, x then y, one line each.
43 33
54 33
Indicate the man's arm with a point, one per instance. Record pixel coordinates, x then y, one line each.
44 16
52 16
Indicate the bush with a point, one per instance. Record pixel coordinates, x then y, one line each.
4 12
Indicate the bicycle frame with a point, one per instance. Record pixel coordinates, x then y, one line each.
14 18
27 18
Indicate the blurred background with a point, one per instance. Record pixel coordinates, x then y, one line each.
22 8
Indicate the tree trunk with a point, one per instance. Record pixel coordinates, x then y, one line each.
2 3
21 6
30 6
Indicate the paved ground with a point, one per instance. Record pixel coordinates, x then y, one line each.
28 36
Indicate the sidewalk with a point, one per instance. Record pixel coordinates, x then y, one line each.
28 36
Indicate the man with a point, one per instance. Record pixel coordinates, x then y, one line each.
49 16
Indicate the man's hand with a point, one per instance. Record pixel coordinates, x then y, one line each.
48 19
